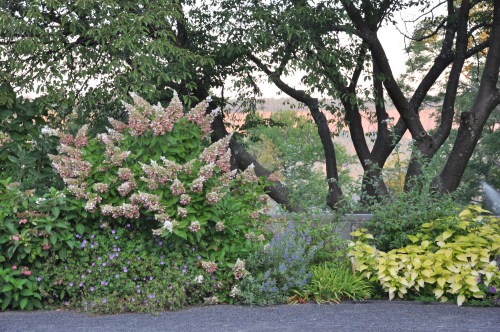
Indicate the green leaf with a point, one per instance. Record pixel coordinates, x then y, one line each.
55 211
36 303
63 253
180 233
23 303
7 288
27 292
80 228
6 303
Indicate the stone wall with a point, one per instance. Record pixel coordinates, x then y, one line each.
347 224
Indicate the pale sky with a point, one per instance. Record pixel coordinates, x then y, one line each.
391 39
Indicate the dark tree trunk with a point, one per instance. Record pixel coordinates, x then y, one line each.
242 159
469 131
472 122
426 149
334 196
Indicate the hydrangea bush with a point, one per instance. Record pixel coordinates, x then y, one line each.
160 172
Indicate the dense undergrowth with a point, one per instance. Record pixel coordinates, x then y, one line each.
151 218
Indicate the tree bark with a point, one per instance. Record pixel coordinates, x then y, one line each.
242 159
426 149
334 196
472 122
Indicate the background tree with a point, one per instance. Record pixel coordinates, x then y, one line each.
84 57
288 145
336 43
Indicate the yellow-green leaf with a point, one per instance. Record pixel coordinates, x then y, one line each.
447 234
438 292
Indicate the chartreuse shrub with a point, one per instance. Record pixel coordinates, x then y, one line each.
333 283
454 257
32 232
159 173
274 270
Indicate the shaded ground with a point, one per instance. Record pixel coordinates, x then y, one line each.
369 316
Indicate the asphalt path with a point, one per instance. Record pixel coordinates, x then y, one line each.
366 316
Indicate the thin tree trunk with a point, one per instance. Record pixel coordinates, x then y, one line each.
334 196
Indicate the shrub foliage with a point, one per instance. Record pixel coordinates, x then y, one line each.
159 171
454 257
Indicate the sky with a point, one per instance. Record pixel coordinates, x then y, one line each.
391 38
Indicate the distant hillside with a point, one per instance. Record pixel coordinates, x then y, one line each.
270 105
280 104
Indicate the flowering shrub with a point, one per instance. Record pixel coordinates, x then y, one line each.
31 232
159 171
121 270
452 257
275 269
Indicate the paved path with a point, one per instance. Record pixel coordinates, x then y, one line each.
370 316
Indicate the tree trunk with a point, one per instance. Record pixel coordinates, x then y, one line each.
334 196
242 159
472 122
426 149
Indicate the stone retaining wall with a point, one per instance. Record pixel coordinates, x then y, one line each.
347 224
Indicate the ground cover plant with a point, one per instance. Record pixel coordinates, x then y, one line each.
333 283
455 257
122 270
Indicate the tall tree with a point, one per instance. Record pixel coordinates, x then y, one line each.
335 43
85 56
